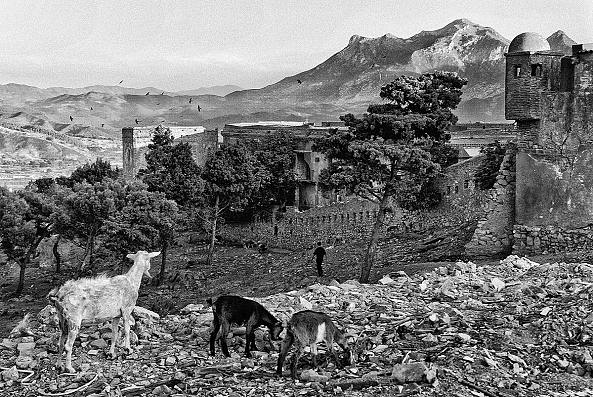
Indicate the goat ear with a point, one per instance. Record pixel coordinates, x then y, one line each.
131 256
153 254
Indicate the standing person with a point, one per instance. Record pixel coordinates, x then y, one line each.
319 253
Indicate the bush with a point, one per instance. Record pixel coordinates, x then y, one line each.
486 174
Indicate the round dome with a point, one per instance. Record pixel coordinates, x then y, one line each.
530 42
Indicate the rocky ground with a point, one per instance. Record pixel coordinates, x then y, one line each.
518 328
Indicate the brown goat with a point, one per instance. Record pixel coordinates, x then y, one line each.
94 300
307 328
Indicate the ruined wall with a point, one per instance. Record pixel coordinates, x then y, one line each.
462 204
494 232
201 144
550 239
135 141
555 190
338 222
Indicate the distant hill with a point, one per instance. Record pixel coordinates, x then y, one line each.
347 82
220 90
18 146
559 41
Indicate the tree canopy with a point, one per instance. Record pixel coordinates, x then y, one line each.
386 154
275 167
171 169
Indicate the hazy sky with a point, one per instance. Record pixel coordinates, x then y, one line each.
186 44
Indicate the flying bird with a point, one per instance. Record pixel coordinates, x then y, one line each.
121 82
199 108
91 108
163 93
190 100
158 104
102 124
147 93
71 118
137 121
299 81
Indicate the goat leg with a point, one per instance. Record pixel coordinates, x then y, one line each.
313 347
61 342
215 329
295 360
226 327
114 335
72 333
286 344
126 317
249 338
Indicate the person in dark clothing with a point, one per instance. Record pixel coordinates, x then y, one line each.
319 253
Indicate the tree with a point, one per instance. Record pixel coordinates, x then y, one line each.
26 218
231 178
90 173
171 169
275 164
146 221
487 173
386 153
89 206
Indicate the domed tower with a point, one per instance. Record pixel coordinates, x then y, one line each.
531 71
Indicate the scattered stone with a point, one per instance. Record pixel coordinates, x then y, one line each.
23 362
312 376
99 343
411 372
10 374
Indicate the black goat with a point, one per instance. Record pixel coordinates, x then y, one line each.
229 309
307 328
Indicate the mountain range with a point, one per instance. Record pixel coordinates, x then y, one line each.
347 82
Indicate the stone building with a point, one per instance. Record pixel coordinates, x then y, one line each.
546 196
550 96
135 141
308 163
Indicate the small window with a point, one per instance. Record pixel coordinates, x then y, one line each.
517 70
448 189
317 159
536 70
466 184
456 188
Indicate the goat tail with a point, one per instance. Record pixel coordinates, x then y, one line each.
52 296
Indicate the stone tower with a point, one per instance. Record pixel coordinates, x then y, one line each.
550 97
532 70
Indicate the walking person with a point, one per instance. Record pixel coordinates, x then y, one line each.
319 253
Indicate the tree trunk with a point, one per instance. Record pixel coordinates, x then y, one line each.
163 261
215 217
87 250
369 259
92 249
23 265
57 253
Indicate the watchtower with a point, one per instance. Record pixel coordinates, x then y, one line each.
532 71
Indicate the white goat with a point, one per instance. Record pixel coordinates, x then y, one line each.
94 300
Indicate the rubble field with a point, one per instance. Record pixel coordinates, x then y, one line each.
518 328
